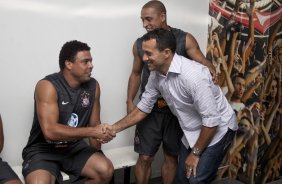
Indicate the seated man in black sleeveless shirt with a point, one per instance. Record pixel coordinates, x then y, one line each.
67 110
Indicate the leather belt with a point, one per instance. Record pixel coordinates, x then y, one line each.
161 103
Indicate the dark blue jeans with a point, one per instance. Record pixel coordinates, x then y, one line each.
209 162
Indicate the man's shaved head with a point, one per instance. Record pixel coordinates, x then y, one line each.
157 5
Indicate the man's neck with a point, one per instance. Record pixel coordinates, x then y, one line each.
164 69
70 80
167 27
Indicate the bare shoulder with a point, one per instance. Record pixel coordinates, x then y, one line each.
97 86
191 40
134 49
45 90
138 63
97 90
44 85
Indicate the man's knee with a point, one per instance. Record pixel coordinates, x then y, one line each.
145 160
108 171
16 181
98 167
170 158
40 176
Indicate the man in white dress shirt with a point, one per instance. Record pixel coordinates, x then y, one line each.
205 116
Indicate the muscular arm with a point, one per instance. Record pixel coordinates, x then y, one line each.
194 52
95 117
1 135
48 115
134 79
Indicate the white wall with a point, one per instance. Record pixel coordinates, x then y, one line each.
33 31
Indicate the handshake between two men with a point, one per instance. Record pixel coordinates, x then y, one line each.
106 133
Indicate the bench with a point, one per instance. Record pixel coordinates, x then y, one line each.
122 158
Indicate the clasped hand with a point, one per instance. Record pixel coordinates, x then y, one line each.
106 133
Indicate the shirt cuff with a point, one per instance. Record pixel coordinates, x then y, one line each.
211 122
142 107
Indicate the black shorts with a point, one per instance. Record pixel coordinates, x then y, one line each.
157 128
6 172
71 159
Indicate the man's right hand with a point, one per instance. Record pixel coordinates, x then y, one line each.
105 133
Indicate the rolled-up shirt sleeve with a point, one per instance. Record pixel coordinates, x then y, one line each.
204 93
150 95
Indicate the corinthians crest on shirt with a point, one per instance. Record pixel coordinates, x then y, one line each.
85 101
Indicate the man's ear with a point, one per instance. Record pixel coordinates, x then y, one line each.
163 17
68 64
167 52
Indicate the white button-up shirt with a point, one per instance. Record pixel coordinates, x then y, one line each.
192 97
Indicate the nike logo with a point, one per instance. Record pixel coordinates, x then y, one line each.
64 103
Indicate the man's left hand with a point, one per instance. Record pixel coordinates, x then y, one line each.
191 164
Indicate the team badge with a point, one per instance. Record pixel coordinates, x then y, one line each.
136 138
85 102
73 121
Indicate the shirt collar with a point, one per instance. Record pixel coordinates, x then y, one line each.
175 66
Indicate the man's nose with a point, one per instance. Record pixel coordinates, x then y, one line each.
145 58
145 23
90 65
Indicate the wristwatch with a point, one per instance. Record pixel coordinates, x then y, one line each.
196 151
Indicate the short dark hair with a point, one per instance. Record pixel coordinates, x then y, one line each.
164 39
157 5
69 51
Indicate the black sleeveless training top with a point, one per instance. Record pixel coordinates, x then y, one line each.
75 107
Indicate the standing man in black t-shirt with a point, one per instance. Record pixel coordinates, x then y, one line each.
160 126
67 109
7 175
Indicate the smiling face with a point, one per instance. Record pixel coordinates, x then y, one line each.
81 67
156 59
152 19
